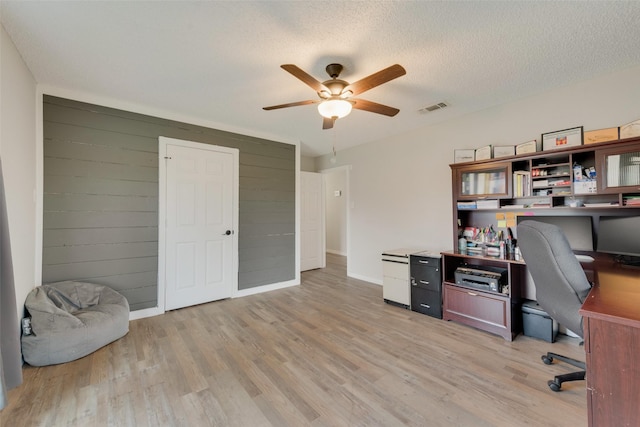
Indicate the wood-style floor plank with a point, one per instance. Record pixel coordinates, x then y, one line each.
329 352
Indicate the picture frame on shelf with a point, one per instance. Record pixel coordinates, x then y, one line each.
528 147
504 151
601 135
630 129
571 137
464 155
484 153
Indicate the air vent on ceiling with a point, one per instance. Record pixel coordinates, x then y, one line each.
434 107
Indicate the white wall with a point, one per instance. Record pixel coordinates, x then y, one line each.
401 187
307 164
336 210
18 153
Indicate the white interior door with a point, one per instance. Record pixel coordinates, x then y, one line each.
312 253
201 219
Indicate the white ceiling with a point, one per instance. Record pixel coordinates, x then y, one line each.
220 61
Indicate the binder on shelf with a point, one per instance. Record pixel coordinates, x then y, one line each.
472 184
496 183
482 182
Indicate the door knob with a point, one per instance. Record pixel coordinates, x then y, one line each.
227 233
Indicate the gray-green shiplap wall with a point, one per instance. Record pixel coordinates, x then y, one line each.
100 208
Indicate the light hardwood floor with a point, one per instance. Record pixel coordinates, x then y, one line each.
327 353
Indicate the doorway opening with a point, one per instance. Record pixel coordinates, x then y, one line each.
337 206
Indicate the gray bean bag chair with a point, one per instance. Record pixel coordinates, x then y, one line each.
72 319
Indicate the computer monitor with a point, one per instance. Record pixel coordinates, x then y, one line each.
578 229
619 235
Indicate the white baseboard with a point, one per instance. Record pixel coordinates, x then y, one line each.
156 311
331 251
266 288
365 278
147 312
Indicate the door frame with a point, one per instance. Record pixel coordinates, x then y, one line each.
162 207
348 205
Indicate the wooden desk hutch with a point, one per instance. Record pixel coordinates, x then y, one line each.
612 310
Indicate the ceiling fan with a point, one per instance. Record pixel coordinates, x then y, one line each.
336 95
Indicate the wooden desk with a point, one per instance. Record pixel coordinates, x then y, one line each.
611 315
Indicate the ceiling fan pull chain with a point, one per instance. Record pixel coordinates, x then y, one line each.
333 143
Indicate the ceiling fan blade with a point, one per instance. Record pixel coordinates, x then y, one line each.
373 107
376 79
327 123
291 104
304 77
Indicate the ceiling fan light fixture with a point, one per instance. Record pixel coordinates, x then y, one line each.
334 108
335 94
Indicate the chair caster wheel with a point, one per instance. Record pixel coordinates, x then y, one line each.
548 360
554 385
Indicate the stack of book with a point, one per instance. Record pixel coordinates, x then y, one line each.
488 204
602 205
467 205
632 200
479 204
521 184
540 205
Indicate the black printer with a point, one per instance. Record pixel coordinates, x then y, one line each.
483 278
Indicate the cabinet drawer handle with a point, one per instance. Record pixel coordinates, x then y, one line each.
425 306
473 294
424 282
423 262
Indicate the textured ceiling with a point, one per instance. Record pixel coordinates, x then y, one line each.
219 61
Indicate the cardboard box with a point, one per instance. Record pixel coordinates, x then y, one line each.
484 153
630 130
601 135
585 187
528 147
503 151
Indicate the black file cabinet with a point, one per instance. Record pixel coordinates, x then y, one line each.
426 285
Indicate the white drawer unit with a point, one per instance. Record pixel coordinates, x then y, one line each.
395 276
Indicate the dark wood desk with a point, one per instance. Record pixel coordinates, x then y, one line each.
611 315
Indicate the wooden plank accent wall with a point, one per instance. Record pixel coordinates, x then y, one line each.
100 219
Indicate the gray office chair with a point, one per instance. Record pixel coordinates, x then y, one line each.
561 285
